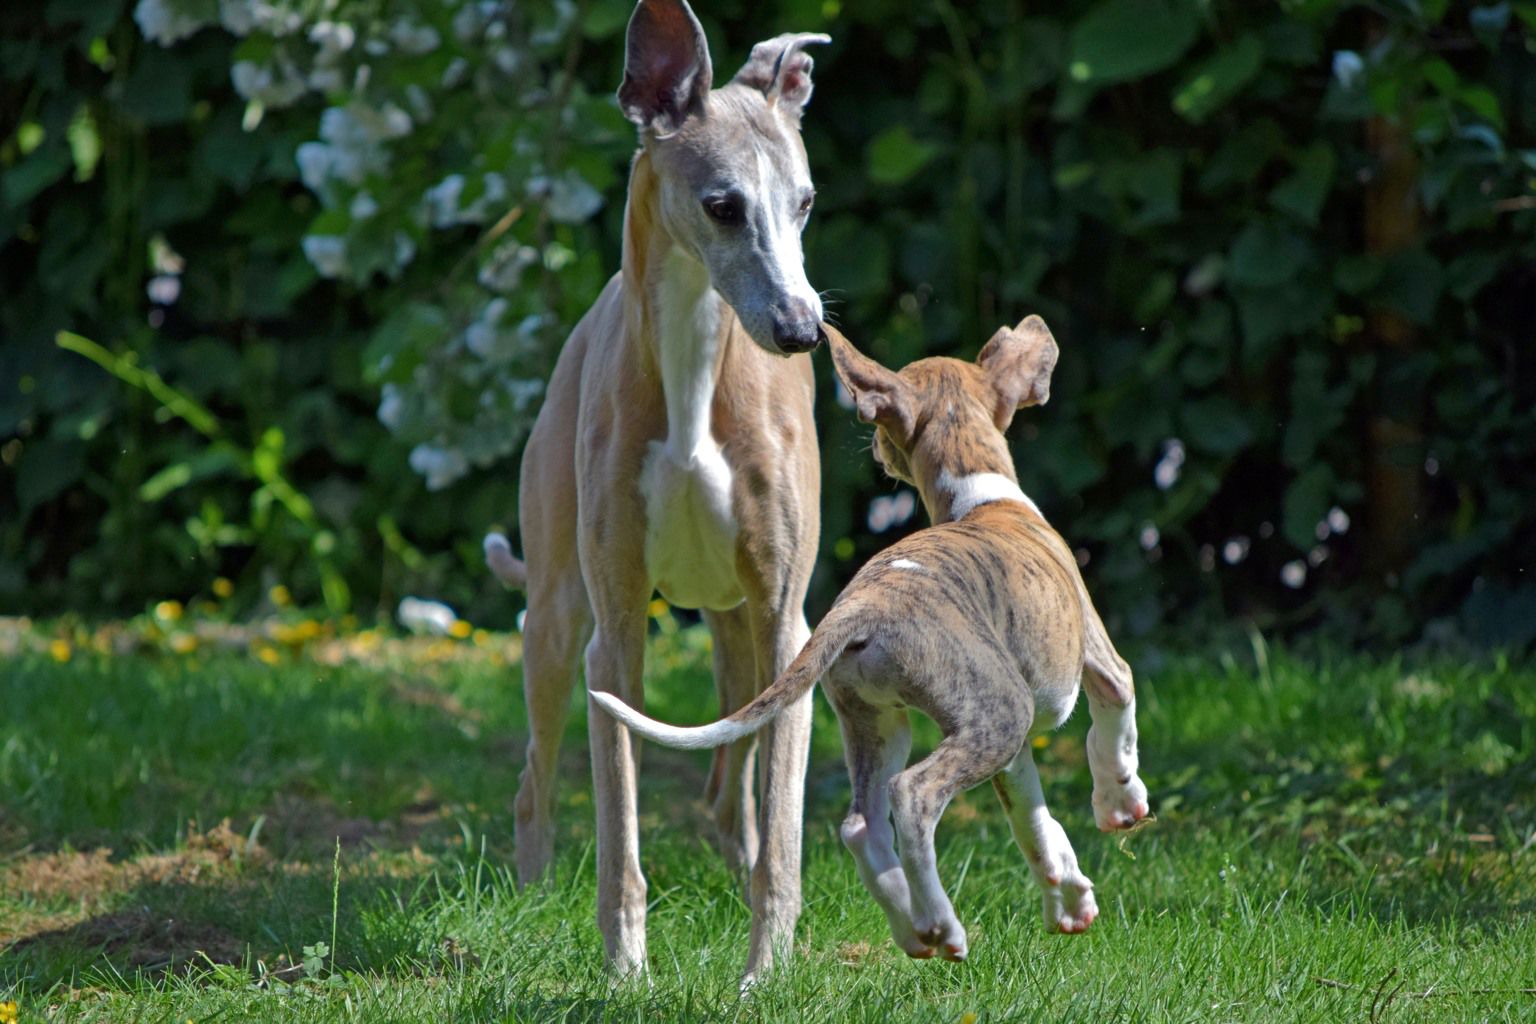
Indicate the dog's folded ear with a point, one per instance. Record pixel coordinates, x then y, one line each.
1018 362
880 396
781 70
667 72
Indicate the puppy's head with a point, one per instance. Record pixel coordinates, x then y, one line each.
947 416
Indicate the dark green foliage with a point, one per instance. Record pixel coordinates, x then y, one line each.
1298 238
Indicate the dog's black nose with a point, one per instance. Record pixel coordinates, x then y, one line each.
795 336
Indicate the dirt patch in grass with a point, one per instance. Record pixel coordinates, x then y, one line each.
83 878
137 940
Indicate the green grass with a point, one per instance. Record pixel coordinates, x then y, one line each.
1336 840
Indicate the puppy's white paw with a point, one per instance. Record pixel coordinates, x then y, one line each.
945 937
1118 806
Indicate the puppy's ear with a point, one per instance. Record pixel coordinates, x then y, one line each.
780 69
1017 363
880 396
666 66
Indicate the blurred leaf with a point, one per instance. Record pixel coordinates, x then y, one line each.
1265 254
894 156
1216 425
1123 39
1219 78
1307 501
1411 283
1304 192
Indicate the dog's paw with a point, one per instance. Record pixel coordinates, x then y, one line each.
1069 907
946 937
1118 806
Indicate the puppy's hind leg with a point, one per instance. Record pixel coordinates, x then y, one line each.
1066 893
918 797
876 743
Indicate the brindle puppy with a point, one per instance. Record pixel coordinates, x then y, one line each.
981 622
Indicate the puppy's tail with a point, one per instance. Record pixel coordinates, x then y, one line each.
824 647
498 556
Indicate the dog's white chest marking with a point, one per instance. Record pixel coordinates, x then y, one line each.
905 563
967 492
690 531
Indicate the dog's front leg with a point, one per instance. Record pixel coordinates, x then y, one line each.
731 792
782 755
1119 795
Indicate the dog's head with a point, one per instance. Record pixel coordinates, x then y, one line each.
734 184
944 418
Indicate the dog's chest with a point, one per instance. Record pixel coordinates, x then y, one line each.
690 530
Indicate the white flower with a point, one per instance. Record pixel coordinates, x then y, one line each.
506 265
421 616
391 405
164 289
414 39
1235 550
443 201
1149 537
454 73
405 248
272 87
363 206
333 38
571 200
314 160
165 22
1166 473
893 510
441 466
1347 67
1338 520
1293 574
328 253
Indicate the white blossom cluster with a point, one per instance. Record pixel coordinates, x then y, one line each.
385 82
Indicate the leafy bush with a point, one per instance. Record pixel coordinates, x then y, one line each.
1287 250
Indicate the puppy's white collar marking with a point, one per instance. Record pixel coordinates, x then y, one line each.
905 563
968 492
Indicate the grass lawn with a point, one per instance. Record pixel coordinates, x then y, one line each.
1336 840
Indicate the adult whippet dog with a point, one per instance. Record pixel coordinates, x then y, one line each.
676 452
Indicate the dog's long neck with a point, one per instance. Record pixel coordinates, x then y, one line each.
679 315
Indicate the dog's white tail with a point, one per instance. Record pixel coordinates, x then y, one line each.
824 647
498 556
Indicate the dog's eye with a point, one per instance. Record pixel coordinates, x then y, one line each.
723 209
807 203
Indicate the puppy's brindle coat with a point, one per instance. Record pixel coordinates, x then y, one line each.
981 622
676 452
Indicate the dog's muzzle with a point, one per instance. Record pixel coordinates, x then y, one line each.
795 337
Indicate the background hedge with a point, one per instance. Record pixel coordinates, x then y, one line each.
1289 251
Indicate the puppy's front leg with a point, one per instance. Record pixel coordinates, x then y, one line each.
1119 795
1066 893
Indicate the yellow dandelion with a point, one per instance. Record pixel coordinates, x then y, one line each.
658 608
183 643
223 587
61 652
280 596
368 639
307 630
969 1017
168 611
1040 742
8 1012
460 629
482 637
268 654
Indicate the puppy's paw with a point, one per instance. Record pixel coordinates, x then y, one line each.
1118 806
1069 908
946 937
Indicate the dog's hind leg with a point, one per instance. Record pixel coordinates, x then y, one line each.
555 632
731 792
1119 795
876 742
1066 893
970 755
